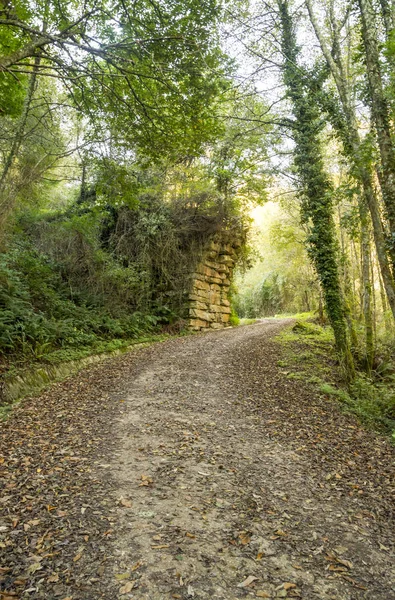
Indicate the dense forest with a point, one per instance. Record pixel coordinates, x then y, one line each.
133 131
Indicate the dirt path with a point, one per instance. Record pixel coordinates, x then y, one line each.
195 469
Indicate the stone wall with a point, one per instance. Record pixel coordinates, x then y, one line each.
208 300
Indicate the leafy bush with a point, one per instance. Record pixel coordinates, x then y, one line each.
39 313
372 402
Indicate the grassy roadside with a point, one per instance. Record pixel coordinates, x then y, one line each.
308 355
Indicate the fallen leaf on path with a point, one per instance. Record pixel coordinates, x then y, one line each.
34 567
244 538
125 589
289 586
346 563
262 594
160 546
145 480
125 502
250 579
122 576
383 547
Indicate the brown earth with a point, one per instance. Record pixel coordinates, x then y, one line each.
194 469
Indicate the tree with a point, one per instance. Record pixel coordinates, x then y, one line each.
380 116
316 187
145 76
343 118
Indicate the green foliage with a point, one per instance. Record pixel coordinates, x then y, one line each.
373 403
309 348
282 279
39 313
265 299
316 187
234 320
306 328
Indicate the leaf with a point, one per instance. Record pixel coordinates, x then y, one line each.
160 546
244 538
34 567
346 563
262 594
289 586
260 555
125 589
122 576
383 547
54 578
336 569
145 480
125 502
250 579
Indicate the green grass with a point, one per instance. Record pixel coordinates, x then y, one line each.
299 316
243 322
309 355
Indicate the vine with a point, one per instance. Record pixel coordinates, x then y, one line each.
316 188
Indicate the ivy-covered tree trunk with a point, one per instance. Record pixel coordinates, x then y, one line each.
346 126
316 186
367 287
380 115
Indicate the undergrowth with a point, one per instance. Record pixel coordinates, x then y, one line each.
309 355
42 318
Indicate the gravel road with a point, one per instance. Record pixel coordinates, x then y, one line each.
194 469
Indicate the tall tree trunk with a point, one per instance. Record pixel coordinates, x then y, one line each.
380 115
347 130
317 190
388 323
388 16
349 298
367 286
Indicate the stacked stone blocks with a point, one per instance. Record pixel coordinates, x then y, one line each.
209 307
